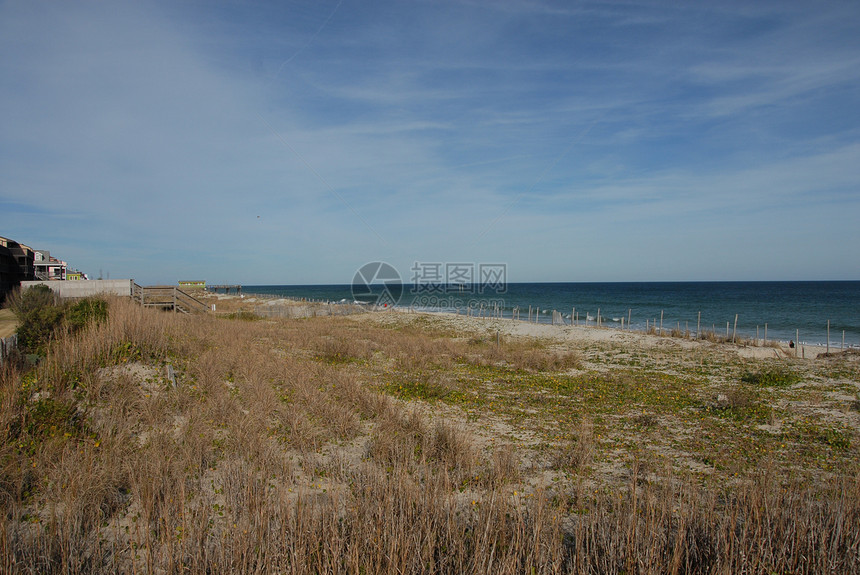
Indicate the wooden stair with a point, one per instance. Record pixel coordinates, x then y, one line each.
167 297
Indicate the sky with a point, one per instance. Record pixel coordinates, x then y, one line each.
292 142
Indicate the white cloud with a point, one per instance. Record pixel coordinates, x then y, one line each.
401 130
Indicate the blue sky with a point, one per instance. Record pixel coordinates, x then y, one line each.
292 142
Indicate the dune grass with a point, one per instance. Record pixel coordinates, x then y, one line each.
332 445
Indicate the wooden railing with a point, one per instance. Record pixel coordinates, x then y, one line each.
167 297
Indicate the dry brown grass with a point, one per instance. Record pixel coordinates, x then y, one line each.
8 323
577 453
276 453
527 355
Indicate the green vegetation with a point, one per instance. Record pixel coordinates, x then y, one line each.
41 314
82 313
771 377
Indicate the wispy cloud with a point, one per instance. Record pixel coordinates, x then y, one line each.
294 141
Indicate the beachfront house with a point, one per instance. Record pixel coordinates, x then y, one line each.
49 267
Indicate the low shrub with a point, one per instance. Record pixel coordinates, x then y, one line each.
244 315
42 313
86 311
771 377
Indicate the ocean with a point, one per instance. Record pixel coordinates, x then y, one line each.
785 307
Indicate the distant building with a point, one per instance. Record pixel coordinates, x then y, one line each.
20 263
49 267
23 256
16 265
192 284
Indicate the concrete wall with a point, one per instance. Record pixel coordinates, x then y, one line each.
86 288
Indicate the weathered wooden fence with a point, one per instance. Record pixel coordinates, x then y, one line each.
7 344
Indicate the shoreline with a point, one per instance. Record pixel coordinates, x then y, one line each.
597 334
742 339
788 311
745 347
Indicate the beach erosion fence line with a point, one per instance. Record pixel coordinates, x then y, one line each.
280 307
655 326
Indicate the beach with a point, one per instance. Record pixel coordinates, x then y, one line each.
711 371
398 441
805 312
269 306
